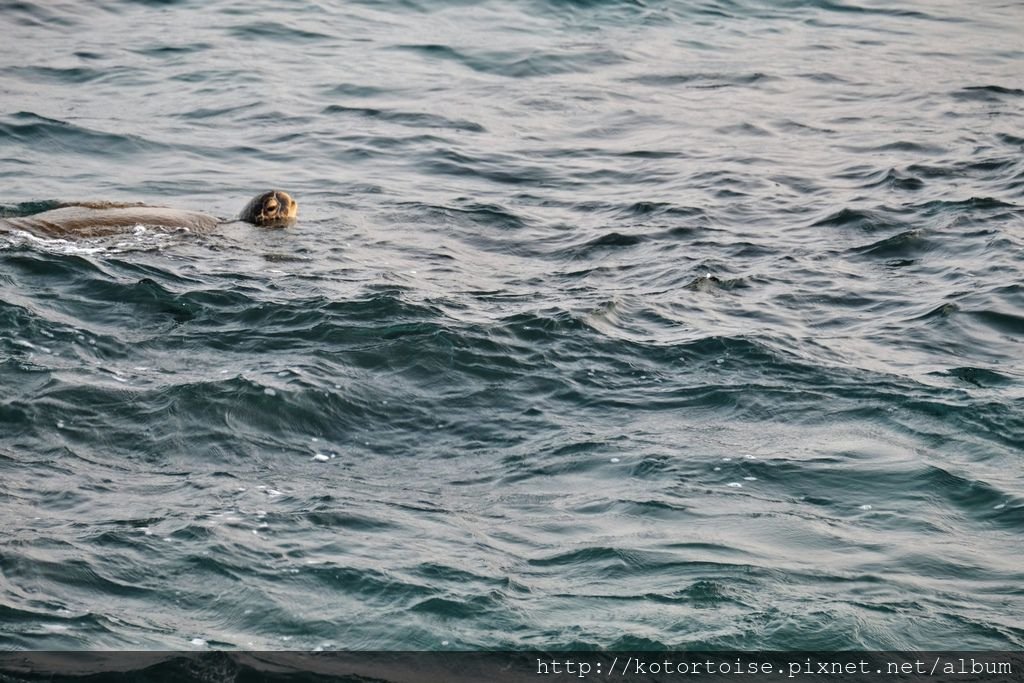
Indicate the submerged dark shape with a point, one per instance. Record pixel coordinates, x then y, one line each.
274 208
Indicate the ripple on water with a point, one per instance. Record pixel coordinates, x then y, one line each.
606 324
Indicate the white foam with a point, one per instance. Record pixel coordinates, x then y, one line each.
141 238
53 245
735 484
320 457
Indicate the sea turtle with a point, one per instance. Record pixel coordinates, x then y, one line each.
273 208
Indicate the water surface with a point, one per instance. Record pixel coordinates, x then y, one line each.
606 324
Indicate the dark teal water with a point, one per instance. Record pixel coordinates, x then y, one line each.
606 323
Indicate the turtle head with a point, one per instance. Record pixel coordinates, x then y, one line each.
274 209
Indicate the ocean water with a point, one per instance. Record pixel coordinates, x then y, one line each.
606 324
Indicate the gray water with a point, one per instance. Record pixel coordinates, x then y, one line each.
605 324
